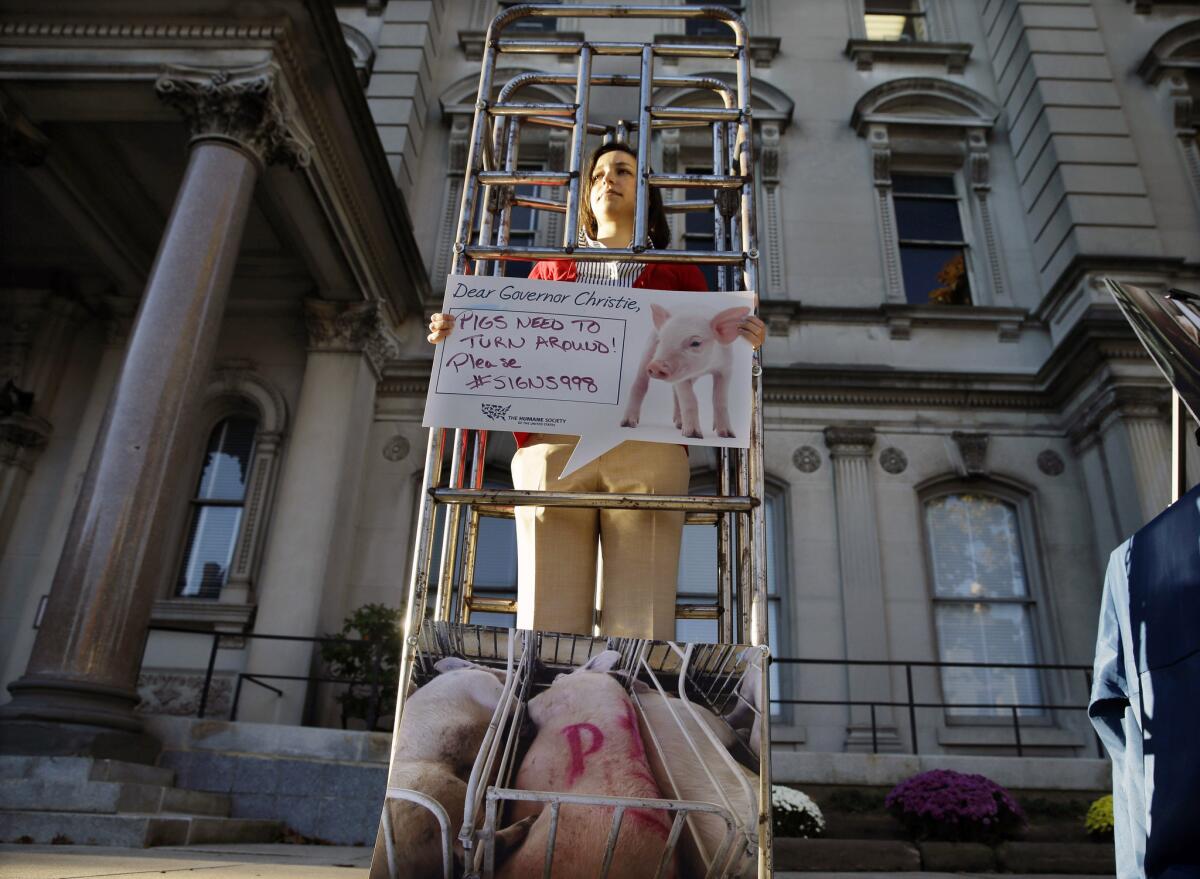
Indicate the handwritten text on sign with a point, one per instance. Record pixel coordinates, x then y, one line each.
540 355
607 364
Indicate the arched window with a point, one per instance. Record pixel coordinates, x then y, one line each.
216 508
983 604
1172 66
930 163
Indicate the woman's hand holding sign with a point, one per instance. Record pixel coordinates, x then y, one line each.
440 326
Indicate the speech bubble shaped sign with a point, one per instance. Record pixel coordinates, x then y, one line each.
606 364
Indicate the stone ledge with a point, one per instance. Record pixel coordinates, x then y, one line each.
273 740
864 53
1056 857
1030 773
845 855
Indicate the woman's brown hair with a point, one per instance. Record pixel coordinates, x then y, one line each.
657 229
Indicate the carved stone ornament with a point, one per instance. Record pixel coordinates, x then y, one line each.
973 449
769 151
178 694
397 448
242 106
847 441
893 461
807 459
1050 462
349 327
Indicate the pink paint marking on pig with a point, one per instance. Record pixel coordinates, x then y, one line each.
629 723
574 736
687 346
575 711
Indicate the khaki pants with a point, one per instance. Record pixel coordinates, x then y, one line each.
557 546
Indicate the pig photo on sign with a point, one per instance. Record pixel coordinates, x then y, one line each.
687 345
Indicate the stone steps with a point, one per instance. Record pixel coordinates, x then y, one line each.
895 856
83 769
132 830
107 797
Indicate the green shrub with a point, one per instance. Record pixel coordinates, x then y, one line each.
1099 820
371 662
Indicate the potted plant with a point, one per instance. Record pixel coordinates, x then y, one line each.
956 807
366 655
794 813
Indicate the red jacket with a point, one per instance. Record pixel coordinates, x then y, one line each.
655 276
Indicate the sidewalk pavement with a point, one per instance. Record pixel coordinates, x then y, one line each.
230 861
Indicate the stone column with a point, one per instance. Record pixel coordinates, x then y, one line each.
1149 435
308 549
79 689
864 612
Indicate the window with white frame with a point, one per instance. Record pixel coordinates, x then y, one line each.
216 508
697 582
933 248
899 21
983 606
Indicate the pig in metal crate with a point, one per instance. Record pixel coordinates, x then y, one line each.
681 721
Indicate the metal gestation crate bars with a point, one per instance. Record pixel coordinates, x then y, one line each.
482 246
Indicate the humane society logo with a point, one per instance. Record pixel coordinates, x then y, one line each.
495 412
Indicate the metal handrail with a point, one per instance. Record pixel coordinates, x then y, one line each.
910 702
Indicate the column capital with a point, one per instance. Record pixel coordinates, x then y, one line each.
350 327
846 442
240 106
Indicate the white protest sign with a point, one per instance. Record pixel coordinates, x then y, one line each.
607 364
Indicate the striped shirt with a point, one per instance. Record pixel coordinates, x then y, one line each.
607 274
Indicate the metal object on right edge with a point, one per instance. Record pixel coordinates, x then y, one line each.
1168 326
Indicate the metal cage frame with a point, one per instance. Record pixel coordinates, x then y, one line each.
482 246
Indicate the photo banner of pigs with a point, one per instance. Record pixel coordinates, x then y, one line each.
607 364
515 747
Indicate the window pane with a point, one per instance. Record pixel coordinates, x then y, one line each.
928 220
227 460
211 536
925 184
935 275
698 560
496 554
698 227
987 632
975 548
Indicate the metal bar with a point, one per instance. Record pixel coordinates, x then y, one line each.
697 181
698 611
608 254
493 605
641 214
467 584
539 204
912 711
1179 481
519 178
874 732
724 552
578 139
549 862
672 841
208 673
418 583
610 847
699 114
559 122
441 606
466 211
528 109
1017 730
692 206
511 46
720 232
592 499
511 148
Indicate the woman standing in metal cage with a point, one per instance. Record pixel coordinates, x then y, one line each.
638 551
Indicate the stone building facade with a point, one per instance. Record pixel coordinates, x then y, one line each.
960 426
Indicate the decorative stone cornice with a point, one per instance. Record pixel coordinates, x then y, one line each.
850 441
972 449
864 53
238 106
355 327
